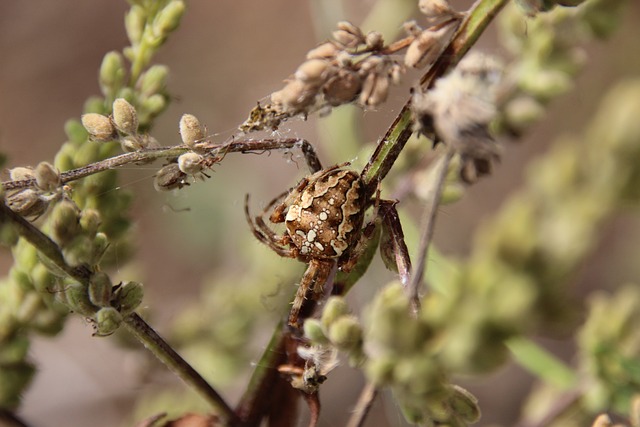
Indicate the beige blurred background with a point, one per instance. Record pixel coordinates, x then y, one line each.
226 55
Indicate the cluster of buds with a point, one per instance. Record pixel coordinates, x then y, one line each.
460 108
121 125
33 202
192 163
354 67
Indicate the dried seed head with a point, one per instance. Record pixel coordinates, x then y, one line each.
375 90
170 177
100 127
412 28
21 173
125 117
436 10
47 177
374 40
348 35
294 98
326 50
131 143
27 203
342 88
426 47
313 71
191 131
190 163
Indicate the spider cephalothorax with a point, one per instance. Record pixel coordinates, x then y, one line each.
323 216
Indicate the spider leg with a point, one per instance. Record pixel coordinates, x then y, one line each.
265 235
392 231
311 290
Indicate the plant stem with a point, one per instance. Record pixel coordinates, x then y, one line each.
135 324
365 401
428 227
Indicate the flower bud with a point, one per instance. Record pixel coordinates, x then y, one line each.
134 22
426 47
129 297
27 203
374 40
375 90
191 131
434 9
342 88
346 333
326 50
77 299
75 131
47 177
154 80
170 177
169 18
100 289
155 104
464 404
64 222
112 73
348 35
313 71
125 117
108 320
99 127
294 97
21 173
190 163
314 331
335 308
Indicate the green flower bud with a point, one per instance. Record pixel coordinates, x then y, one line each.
8 235
464 404
90 220
154 80
380 370
64 222
134 23
75 131
77 299
108 320
100 289
29 307
112 73
47 177
346 333
125 117
95 104
98 248
168 19
78 250
155 104
314 331
14 351
22 279
129 297
14 382
335 308
99 127
43 279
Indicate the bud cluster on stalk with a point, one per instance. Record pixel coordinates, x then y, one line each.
356 68
33 202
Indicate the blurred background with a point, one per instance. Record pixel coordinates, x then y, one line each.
225 56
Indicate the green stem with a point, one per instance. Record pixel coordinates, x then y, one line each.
135 324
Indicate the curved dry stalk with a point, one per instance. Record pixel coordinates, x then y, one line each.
365 401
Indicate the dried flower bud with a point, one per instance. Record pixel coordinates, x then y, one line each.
170 177
190 163
108 320
395 73
131 143
313 71
375 90
47 177
99 127
436 10
129 297
100 289
374 40
125 117
27 203
342 88
294 98
326 50
412 28
20 173
348 35
427 46
191 131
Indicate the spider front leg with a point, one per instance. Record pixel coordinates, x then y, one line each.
311 290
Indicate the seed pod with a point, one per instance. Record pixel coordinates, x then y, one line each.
27 203
65 223
47 177
108 320
342 88
423 50
99 127
326 50
170 177
464 404
125 117
131 143
436 9
313 71
77 299
375 90
191 131
190 163
129 297
348 35
294 98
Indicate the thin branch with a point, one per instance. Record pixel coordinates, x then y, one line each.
365 401
428 227
135 324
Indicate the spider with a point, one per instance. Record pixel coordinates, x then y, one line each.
323 215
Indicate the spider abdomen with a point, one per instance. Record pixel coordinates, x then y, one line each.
327 215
